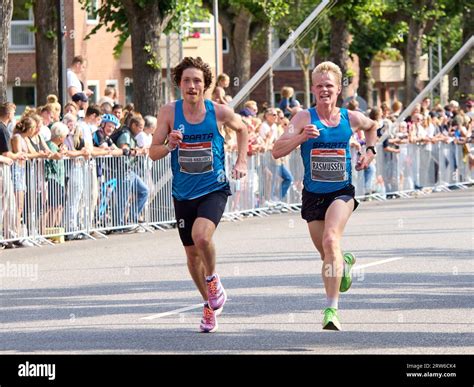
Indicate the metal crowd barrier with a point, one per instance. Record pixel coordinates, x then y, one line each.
52 200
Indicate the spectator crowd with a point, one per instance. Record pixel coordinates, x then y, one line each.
63 136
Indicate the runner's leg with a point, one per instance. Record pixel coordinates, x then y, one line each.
316 229
202 232
196 269
336 218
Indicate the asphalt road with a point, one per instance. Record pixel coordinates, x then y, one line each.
132 294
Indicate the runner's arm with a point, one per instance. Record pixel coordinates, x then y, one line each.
158 149
360 121
235 122
293 136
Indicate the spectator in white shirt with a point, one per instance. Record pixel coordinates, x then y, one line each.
145 137
74 85
269 129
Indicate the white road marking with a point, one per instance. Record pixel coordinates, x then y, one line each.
197 306
176 311
377 263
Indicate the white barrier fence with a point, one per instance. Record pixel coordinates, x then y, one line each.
49 200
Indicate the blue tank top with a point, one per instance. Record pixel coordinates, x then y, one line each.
327 158
198 163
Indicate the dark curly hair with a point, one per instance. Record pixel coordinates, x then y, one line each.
190 62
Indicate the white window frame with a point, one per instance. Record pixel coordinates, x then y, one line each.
202 24
294 65
96 19
96 95
23 48
26 84
112 83
130 83
228 45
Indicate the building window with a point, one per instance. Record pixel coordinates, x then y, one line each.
392 94
23 96
129 91
21 36
91 17
401 93
375 97
202 27
225 45
111 83
288 60
94 86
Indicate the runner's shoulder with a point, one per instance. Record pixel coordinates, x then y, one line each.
224 113
169 107
302 118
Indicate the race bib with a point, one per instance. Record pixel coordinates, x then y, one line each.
328 165
195 158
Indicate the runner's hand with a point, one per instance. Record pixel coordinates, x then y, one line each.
364 161
240 169
174 138
310 131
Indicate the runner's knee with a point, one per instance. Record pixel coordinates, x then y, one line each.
201 240
330 242
194 258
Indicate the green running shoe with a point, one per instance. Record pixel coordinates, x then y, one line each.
331 320
346 280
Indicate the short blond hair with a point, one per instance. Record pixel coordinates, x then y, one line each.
287 92
328 67
251 104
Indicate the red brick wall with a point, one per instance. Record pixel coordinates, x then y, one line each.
21 67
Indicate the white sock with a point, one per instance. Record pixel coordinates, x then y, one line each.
332 303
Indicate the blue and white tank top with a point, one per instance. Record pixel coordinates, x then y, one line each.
327 158
198 163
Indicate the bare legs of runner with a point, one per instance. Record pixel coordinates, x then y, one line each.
202 256
326 236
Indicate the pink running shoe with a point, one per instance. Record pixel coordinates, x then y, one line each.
208 322
216 295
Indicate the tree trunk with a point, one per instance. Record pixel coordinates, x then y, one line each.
413 85
146 26
6 10
46 43
307 88
466 66
270 90
237 29
304 60
339 53
365 81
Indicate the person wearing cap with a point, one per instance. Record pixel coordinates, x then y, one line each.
81 100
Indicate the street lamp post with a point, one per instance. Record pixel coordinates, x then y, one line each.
216 34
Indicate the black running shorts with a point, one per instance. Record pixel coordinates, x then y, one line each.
314 206
210 206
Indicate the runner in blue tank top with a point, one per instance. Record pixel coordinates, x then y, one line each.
189 130
328 199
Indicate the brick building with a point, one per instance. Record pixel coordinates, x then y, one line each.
286 73
102 68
